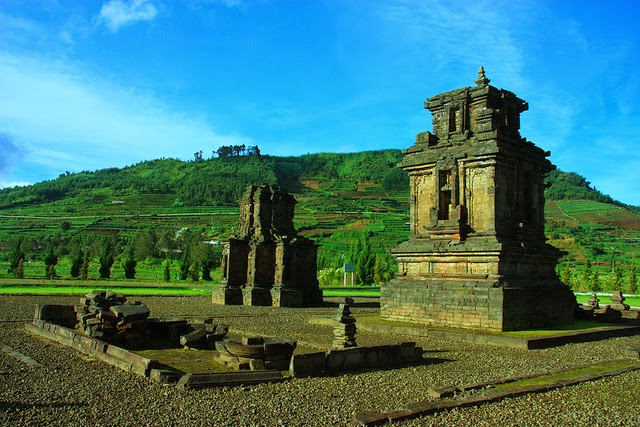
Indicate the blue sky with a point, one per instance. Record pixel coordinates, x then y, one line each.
86 85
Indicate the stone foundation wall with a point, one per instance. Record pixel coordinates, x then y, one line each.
537 307
474 305
470 305
384 356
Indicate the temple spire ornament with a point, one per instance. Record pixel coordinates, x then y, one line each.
482 79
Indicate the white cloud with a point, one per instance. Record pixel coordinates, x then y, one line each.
12 184
118 13
73 120
448 37
9 152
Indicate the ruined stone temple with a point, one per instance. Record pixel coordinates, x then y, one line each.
476 255
267 263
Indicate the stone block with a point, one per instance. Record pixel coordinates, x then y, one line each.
39 323
472 401
130 357
426 407
370 358
633 353
334 361
399 415
194 338
218 379
407 352
370 418
256 365
137 311
227 296
163 376
307 365
353 358
442 392
384 356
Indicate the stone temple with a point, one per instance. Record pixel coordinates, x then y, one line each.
476 256
267 263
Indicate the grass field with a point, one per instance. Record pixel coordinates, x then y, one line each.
68 287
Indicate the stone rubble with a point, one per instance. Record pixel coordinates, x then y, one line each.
107 315
203 335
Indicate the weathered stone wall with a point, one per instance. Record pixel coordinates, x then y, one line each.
473 305
267 263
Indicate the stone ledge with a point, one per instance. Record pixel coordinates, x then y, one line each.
219 379
504 341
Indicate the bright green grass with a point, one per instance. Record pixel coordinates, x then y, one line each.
633 301
577 325
82 290
351 292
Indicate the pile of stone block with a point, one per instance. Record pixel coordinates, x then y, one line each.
344 331
108 316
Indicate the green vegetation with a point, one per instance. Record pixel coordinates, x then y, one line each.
62 288
162 220
351 292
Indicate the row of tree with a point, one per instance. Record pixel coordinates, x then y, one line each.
590 278
195 256
370 267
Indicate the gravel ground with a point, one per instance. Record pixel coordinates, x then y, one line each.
71 390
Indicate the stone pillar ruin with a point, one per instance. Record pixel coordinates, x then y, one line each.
476 256
268 263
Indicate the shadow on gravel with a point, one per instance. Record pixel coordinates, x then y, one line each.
426 361
20 405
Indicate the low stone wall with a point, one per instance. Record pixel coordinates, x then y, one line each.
48 323
64 315
386 356
355 358
430 407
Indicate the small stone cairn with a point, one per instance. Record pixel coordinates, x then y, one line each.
106 315
593 301
617 301
344 332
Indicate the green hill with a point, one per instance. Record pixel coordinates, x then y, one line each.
343 200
